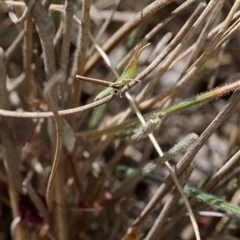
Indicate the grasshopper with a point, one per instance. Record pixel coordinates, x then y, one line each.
127 76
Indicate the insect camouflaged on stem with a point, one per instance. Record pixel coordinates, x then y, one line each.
127 76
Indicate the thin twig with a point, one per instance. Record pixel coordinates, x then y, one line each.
4 102
67 31
104 26
81 57
94 80
227 168
6 113
61 220
27 56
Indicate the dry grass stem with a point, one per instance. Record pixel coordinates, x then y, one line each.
129 165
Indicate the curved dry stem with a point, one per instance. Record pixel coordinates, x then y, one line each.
53 82
6 113
25 14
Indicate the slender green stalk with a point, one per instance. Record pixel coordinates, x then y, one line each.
123 131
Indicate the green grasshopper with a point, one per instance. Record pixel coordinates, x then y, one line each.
127 76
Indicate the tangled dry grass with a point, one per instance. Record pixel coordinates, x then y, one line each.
72 168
